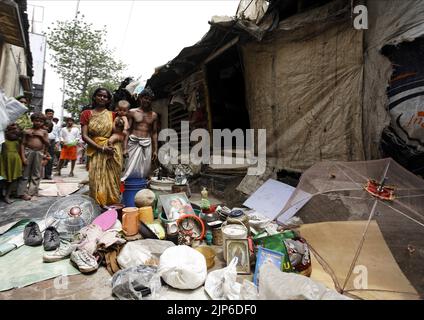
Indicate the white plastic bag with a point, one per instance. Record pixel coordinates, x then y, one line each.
222 284
258 221
142 252
15 109
182 267
248 291
4 117
277 285
136 283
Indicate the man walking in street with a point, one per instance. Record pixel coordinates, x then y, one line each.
53 139
143 137
69 139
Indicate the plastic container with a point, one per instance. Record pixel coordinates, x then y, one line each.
217 236
131 187
118 207
130 221
145 214
170 226
208 217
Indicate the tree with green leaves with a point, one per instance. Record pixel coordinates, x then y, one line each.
83 60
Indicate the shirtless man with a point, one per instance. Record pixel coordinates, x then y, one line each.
34 155
143 137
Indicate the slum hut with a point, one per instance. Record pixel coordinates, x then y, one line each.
323 88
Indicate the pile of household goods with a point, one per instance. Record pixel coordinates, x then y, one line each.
179 248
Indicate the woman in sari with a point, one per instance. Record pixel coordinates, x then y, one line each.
105 162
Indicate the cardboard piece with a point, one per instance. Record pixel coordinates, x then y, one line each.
376 259
57 189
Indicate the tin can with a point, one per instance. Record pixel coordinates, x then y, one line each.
217 236
236 230
237 216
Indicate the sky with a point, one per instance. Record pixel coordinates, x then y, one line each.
143 34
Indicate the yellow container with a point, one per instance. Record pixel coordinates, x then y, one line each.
145 214
209 255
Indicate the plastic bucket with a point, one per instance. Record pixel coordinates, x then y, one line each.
131 187
169 225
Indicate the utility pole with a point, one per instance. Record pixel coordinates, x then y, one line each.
64 84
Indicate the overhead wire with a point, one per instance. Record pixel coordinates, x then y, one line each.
124 38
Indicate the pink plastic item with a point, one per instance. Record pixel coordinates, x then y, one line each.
107 219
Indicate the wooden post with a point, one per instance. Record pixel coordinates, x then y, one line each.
207 100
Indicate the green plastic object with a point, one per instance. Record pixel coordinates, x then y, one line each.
275 242
209 237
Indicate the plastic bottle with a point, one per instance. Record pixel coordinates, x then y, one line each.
209 237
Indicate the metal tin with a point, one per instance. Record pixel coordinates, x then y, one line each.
239 216
217 236
235 230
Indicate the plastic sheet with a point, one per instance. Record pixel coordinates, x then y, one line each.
277 285
136 283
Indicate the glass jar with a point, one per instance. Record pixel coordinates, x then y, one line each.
208 217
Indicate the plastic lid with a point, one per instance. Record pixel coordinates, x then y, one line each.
236 213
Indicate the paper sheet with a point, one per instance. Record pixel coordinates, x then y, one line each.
271 198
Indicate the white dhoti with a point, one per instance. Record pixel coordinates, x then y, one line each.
139 158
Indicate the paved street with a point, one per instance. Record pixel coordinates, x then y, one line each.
74 287
96 286
37 208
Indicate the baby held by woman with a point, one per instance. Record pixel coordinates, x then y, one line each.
120 126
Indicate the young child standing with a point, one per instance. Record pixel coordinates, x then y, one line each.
34 155
121 126
10 160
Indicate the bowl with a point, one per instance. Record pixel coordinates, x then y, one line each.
209 255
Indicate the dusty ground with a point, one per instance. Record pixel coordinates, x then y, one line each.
96 286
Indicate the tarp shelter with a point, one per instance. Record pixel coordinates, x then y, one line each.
314 81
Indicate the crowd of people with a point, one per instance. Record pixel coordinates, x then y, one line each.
36 144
